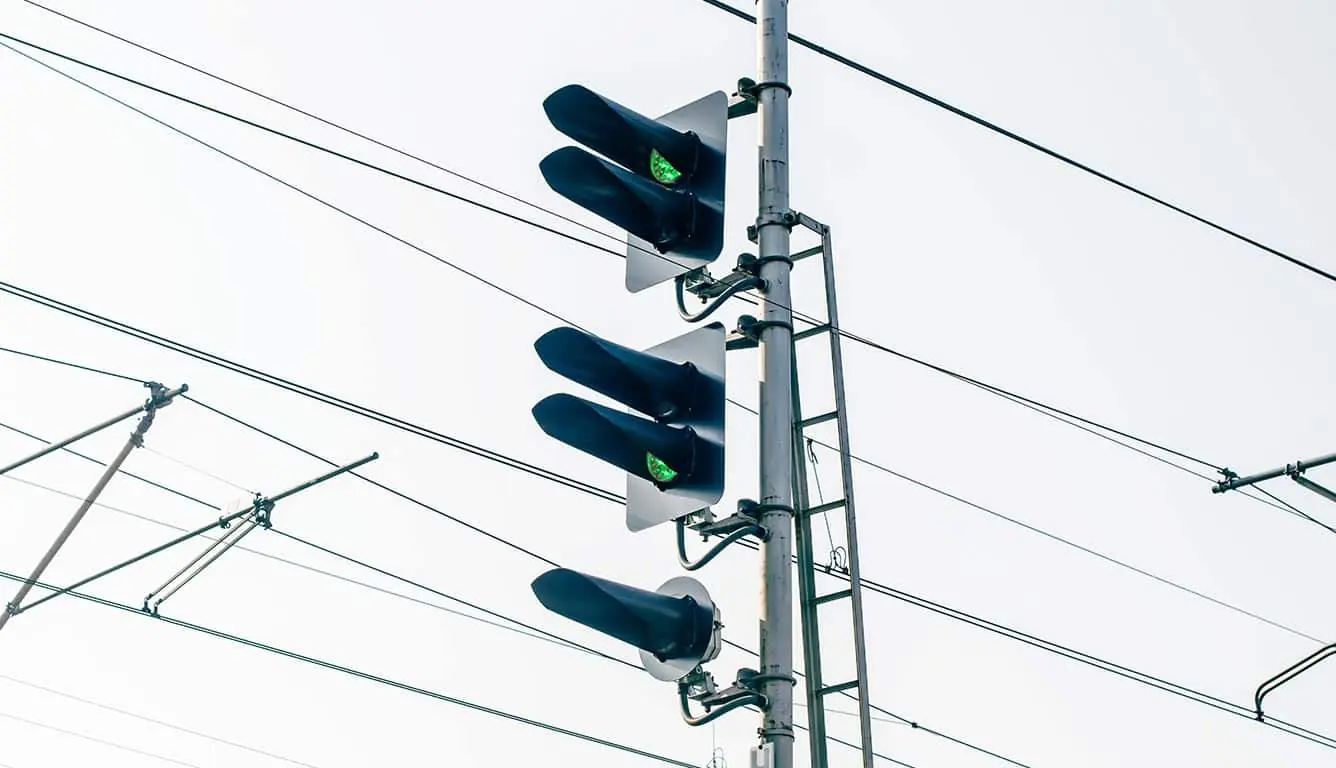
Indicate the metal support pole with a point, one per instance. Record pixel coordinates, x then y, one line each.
136 439
776 393
159 398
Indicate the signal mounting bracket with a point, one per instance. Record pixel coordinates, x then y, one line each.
743 101
731 529
699 282
699 686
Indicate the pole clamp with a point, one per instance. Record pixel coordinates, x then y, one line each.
758 509
754 89
751 328
759 678
787 219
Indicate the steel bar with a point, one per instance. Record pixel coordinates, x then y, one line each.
242 530
137 558
152 402
244 513
850 523
809 616
1297 468
259 509
1320 490
136 438
330 474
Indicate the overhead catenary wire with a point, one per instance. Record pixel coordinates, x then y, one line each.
885 79
96 740
100 463
1058 414
364 675
504 541
312 394
319 571
532 631
199 470
1126 672
877 588
1295 510
67 364
154 721
1050 411
1039 407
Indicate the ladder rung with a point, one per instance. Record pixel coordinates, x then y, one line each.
813 331
836 688
822 419
833 596
821 509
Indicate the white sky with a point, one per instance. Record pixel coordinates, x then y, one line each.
952 243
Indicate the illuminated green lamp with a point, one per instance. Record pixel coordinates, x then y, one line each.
660 471
663 171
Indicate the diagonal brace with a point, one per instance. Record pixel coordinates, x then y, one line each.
160 397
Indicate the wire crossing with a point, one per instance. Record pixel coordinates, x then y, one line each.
368 676
1035 405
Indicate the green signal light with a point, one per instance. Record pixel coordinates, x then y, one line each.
658 470
663 171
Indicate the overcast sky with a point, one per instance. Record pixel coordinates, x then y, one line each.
952 244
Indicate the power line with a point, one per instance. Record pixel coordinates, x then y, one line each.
1293 509
501 540
414 429
96 740
330 574
1092 552
352 672
397 425
879 467
325 121
377 484
1058 414
112 325
127 473
474 606
1036 146
312 394
887 591
43 358
154 721
199 470
536 633
1177 689
1042 408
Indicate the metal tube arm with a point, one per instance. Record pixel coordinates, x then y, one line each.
161 397
1233 481
1291 672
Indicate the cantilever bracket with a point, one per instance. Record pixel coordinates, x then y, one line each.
743 101
735 527
699 686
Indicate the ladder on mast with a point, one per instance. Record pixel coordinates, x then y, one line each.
812 601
